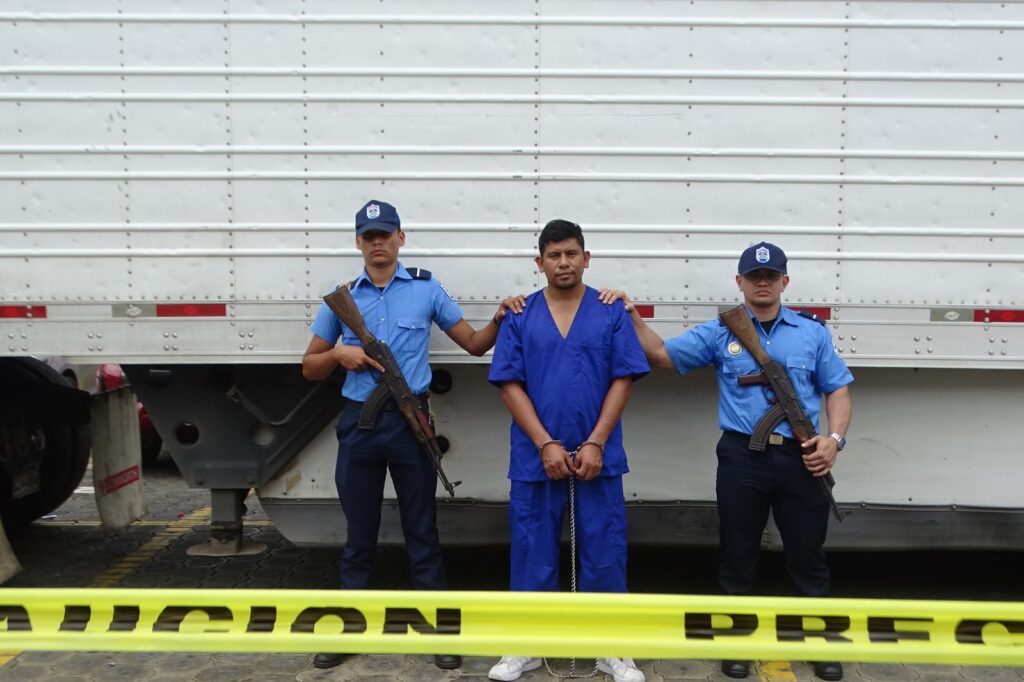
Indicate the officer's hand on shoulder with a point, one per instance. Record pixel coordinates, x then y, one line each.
609 296
355 359
516 304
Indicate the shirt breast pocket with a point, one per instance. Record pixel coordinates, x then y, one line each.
411 335
801 371
740 366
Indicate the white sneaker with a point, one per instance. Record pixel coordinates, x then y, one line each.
512 667
621 669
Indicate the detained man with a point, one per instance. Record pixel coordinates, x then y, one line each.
566 367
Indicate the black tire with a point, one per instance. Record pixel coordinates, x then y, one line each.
152 445
42 398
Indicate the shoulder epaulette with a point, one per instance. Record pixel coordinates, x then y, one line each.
811 316
419 273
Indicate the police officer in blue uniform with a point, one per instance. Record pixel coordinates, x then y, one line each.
398 304
782 478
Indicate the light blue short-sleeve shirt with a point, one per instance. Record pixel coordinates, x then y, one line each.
400 315
803 346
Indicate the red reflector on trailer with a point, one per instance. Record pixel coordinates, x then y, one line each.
999 315
822 313
646 310
191 310
28 311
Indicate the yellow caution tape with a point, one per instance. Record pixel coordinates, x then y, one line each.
524 623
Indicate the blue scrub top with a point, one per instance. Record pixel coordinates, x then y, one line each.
803 346
566 379
400 316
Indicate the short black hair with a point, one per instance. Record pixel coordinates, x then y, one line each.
559 230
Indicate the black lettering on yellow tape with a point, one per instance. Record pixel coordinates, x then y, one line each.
397 621
883 629
170 618
793 628
15 617
493 623
352 619
969 631
698 625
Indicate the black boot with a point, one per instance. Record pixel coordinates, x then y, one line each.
328 660
447 661
736 669
828 671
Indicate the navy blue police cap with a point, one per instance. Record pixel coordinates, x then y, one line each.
762 256
377 215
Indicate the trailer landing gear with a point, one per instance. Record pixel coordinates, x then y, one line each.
226 538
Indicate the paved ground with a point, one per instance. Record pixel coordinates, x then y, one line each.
71 550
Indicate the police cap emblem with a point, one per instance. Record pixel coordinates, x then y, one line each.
762 255
373 211
735 348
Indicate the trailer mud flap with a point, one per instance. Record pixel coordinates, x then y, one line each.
9 566
117 458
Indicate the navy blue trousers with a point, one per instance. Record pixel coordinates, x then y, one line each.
749 484
536 511
363 459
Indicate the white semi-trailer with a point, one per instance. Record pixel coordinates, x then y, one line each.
178 180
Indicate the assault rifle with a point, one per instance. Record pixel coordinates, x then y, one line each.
393 384
787 404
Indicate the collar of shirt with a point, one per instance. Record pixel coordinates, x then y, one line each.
785 315
400 273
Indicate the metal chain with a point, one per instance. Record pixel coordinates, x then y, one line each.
571 675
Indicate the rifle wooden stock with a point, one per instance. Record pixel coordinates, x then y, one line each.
774 374
341 304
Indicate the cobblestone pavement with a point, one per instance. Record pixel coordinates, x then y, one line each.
70 549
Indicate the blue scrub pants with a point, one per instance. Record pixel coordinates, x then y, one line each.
749 484
363 458
536 510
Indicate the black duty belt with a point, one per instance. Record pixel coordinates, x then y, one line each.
379 402
773 439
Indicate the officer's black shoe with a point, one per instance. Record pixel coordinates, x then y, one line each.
828 671
447 661
328 660
736 669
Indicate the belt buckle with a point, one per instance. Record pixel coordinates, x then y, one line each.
776 439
